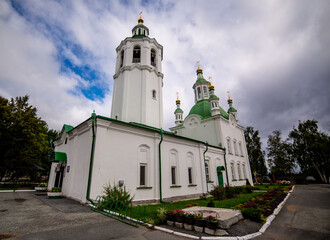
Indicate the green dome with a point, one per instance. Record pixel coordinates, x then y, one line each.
213 97
224 113
202 108
232 109
178 110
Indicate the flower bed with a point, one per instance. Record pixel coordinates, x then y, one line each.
262 206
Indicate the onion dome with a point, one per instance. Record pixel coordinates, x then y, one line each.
140 30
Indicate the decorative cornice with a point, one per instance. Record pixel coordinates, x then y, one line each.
139 66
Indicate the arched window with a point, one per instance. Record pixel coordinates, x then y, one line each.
190 163
154 94
122 58
229 146
136 54
199 93
153 57
207 173
174 166
143 158
235 147
244 171
239 170
232 171
240 148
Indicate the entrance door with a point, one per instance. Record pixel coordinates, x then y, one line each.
59 177
220 178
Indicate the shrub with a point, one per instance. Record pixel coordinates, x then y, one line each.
210 203
203 196
230 192
161 215
56 189
211 219
116 193
42 185
253 214
248 189
218 193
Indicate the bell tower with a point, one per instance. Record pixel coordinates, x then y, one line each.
138 80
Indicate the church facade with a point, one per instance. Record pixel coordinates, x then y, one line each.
130 148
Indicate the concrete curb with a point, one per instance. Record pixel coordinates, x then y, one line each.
9 191
246 237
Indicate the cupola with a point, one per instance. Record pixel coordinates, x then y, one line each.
214 100
140 30
201 86
178 112
231 109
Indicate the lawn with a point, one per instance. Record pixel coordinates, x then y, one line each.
228 203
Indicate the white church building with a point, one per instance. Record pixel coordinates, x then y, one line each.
130 148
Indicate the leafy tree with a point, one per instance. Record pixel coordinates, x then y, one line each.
311 149
279 155
24 138
256 155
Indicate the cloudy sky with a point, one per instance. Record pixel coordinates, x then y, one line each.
273 56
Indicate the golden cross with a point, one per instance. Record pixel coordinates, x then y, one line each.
198 64
228 94
177 95
210 80
141 14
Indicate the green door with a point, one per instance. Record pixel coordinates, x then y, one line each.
220 176
220 179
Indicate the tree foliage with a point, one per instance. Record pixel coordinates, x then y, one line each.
256 155
279 155
24 138
311 149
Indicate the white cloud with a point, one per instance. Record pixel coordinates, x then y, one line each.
257 50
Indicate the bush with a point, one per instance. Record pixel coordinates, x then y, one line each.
210 203
253 214
248 189
116 193
56 189
218 193
161 215
230 192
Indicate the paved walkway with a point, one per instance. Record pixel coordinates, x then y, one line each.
29 216
306 215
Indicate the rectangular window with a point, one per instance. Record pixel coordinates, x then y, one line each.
199 92
207 172
190 176
205 91
142 175
173 175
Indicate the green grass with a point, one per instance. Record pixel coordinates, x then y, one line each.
268 187
228 203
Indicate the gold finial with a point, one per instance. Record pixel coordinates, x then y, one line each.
211 87
140 19
199 70
229 97
177 98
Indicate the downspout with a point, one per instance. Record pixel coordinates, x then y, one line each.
226 167
91 161
207 148
161 131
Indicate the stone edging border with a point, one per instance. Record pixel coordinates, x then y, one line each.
264 227
9 191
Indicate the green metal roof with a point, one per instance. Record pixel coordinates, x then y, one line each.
232 109
220 168
178 110
200 80
213 97
68 128
224 113
202 108
60 156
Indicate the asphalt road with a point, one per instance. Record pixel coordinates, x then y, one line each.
306 215
25 215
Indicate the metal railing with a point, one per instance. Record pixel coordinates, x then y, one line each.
119 210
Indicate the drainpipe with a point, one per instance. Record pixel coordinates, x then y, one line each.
207 148
91 161
161 131
226 167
